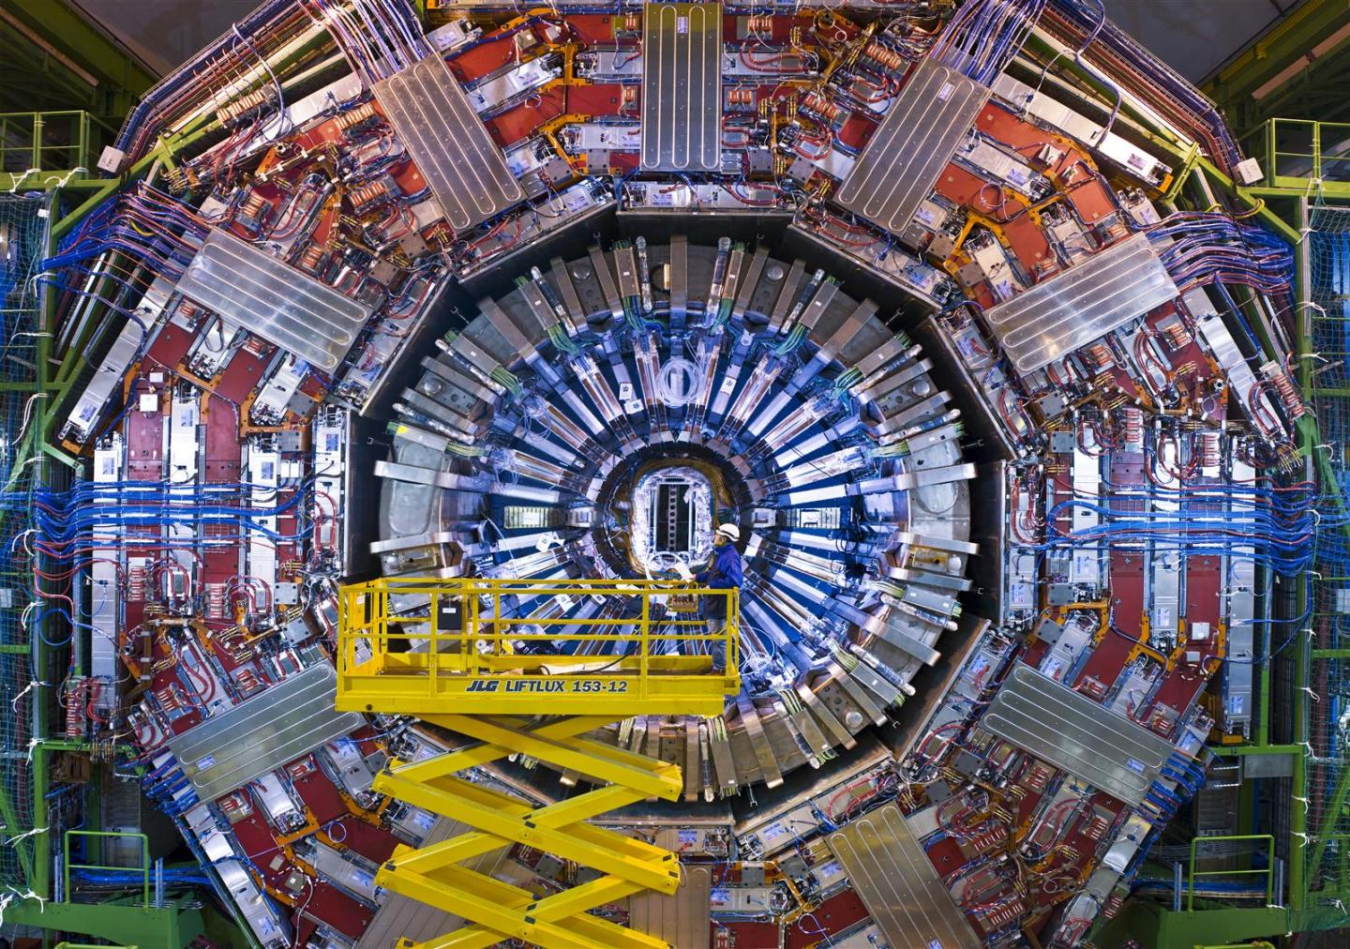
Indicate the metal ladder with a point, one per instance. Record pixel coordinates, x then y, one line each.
379 671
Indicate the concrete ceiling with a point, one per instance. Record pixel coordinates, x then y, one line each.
1193 36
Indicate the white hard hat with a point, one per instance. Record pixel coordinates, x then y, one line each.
731 531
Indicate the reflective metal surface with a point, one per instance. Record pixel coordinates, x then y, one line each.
1073 732
288 720
1066 312
401 918
681 919
448 142
900 164
256 291
682 87
897 883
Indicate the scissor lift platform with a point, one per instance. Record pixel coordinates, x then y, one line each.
462 654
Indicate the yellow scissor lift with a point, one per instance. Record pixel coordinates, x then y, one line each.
480 657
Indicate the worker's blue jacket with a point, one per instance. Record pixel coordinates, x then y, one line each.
724 572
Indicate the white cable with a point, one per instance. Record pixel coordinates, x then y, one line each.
14 703
27 415
27 833
62 181
7 898
21 178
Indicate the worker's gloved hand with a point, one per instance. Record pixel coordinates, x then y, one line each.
684 571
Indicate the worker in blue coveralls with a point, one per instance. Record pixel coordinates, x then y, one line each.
724 571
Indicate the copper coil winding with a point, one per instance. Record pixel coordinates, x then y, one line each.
368 193
1101 356
312 257
236 110
817 104
365 112
1209 450
1177 335
1288 394
883 56
253 205
1133 428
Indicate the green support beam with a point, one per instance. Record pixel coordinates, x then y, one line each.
171 926
1293 58
121 77
1161 928
31 77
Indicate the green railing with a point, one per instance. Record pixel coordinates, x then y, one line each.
50 141
1268 872
144 868
1294 153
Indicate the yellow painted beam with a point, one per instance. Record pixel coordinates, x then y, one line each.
616 674
492 697
589 846
618 696
687 664
475 898
479 755
596 759
556 907
467 846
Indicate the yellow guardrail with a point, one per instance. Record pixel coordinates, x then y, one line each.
417 646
